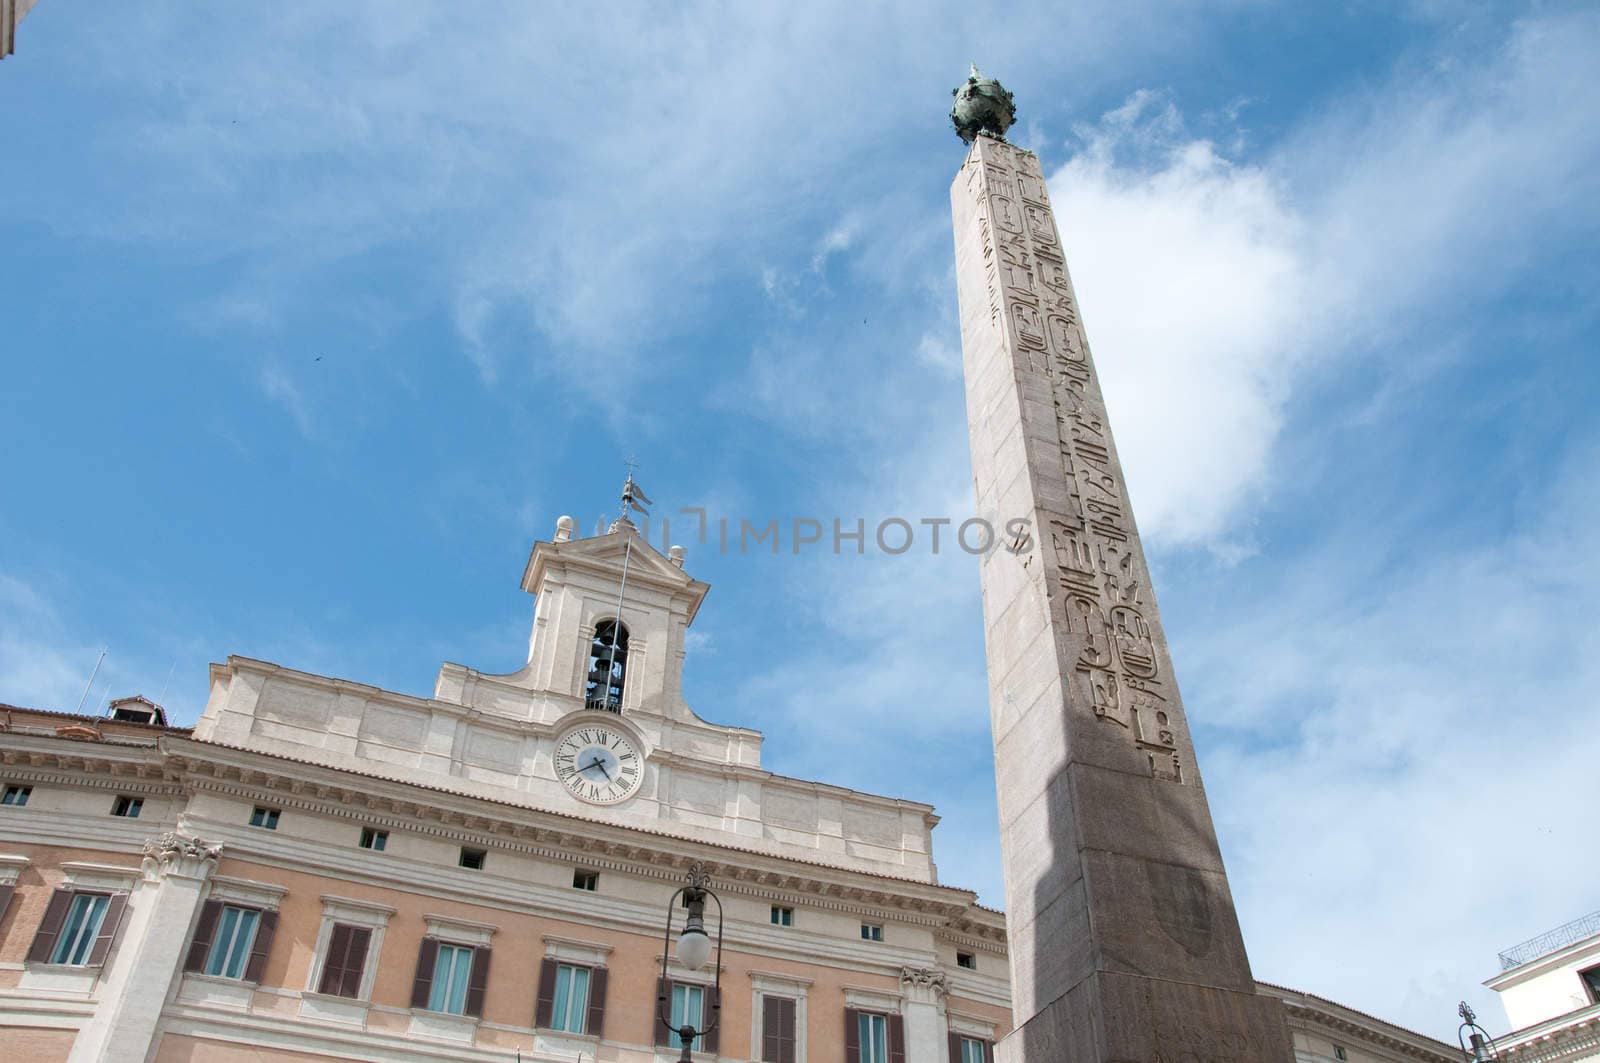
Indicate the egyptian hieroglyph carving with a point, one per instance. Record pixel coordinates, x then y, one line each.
1099 580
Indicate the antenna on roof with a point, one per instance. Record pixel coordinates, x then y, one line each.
162 700
86 687
633 498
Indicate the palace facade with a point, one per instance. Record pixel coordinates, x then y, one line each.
324 870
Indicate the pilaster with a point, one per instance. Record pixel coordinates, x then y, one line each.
146 962
922 992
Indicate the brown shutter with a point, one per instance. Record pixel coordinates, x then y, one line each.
597 1003
5 899
771 1029
897 1039
852 1035
786 1031
333 962
265 929
204 931
355 962
115 909
544 1011
477 982
55 914
422 985
955 1047
988 1052
665 1034
711 1015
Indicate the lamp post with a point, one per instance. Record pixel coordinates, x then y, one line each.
694 949
1476 1044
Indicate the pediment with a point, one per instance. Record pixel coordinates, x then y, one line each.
605 553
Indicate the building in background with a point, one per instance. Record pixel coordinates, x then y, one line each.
321 869
12 12
1550 988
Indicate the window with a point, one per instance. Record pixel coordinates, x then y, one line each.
585 880
608 662
1339 1052
571 999
688 1008
346 961
376 840
871 932
235 936
451 972
778 1029
973 1051
266 818
87 912
472 858
1591 982
128 807
16 795
967 960
873 1031
782 916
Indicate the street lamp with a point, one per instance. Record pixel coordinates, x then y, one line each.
694 949
1482 1048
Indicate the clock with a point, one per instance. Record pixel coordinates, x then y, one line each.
599 764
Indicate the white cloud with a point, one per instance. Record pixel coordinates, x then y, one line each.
1424 740
1193 281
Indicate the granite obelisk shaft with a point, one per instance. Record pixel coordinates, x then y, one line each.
1124 942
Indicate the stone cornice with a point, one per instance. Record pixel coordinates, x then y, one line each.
477 821
1307 1009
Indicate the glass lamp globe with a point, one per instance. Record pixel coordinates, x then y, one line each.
694 948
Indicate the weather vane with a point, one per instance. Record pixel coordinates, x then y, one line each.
983 106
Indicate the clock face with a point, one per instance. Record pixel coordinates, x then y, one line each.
599 764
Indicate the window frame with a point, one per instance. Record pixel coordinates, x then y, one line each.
770 984
242 958
864 1026
80 939
1589 977
16 795
374 839
589 881
872 932
364 914
479 856
563 1006
967 961
782 915
265 817
442 993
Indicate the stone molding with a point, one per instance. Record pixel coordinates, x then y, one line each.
458 931
263 895
86 875
11 865
571 950
633 851
176 853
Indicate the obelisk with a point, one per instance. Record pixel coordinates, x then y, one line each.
1125 947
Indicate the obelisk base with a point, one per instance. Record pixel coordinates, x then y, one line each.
1119 1018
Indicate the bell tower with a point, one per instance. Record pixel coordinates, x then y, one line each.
610 618
1125 947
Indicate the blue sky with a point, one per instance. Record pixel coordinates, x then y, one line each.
316 317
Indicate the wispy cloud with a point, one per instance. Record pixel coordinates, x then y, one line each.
280 388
